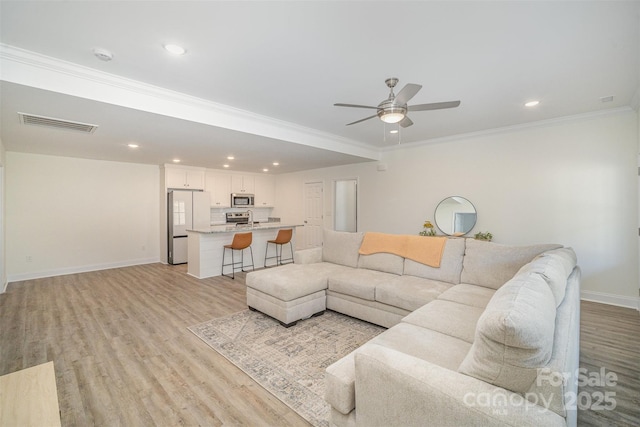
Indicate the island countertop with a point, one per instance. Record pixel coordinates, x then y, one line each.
205 246
232 228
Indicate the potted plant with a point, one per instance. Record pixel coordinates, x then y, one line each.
484 236
428 229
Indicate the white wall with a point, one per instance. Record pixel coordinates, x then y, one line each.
3 229
71 215
571 182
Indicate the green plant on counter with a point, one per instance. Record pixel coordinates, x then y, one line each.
483 236
428 229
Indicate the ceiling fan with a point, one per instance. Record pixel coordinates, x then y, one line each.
394 109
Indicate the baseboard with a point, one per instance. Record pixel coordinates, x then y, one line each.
79 269
611 299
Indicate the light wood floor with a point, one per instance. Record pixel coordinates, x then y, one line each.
123 354
610 339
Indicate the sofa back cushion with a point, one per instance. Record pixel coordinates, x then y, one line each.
388 263
491 265
555 267
450 264
514 336
341 247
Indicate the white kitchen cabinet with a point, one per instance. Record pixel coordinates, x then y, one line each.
265 187
189 179
219 186
242 184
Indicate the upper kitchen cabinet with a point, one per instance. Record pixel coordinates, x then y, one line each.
265 187
219 186
243 184
184 178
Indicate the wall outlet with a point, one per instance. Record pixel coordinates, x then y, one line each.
29 258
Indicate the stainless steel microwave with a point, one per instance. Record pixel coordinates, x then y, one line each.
242 200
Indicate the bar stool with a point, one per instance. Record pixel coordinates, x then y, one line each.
283 237
241 241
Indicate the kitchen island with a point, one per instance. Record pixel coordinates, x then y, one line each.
205 246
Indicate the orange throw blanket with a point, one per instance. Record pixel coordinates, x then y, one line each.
425 250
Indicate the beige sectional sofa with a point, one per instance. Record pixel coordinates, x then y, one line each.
490 337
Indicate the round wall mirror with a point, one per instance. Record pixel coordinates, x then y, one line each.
455 216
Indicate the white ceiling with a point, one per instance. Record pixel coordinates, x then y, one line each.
260 79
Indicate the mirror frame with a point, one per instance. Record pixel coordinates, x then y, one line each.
440 226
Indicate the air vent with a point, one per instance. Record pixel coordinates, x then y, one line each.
50 122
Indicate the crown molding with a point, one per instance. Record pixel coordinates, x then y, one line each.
44 72
512 128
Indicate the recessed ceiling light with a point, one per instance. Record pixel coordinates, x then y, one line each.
265 170
176 160
225 166
393 131
175 49
276 164
230 157
531 103
132 145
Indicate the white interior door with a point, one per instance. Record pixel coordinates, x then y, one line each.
313 208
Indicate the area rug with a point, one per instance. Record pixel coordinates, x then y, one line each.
288 362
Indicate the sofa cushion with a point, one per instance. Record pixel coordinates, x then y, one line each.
341 248
409 292
359 282
388 263
426 344
446 317
472 295
514 335
450 264
555 267
491 265
437 348
292 281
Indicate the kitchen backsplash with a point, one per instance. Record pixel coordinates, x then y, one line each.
218 216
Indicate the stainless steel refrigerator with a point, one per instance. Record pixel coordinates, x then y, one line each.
186 210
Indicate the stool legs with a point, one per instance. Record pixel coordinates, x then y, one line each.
233 263
278 256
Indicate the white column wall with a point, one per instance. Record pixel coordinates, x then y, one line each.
3 228
570 181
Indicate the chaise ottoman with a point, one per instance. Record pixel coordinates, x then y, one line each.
291 292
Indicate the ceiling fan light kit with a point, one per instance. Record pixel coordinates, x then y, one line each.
392 115
394 109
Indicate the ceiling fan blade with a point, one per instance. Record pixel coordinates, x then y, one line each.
407 92
434 106
406 122
355 105
361 120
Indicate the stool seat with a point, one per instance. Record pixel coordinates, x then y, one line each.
241 241
284 236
